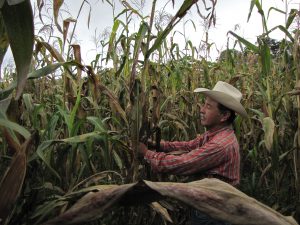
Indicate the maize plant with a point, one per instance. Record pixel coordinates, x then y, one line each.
70 131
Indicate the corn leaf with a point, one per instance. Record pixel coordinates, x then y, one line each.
269 128
211 196
265 54
245 42
14 126
56 6
12 183
186 5
18 20
284 30
293 13
40 153
276 9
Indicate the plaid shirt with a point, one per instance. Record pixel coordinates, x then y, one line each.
212 153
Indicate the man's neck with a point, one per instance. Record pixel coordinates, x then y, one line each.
217 127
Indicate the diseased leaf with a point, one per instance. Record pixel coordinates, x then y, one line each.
66 24
56 6
52 50
211 196
77 56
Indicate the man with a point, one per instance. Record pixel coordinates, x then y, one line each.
213 154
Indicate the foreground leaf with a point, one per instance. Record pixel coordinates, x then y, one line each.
211 196
13 179
18 20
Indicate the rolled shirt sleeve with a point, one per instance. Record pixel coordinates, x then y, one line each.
219 154
181 145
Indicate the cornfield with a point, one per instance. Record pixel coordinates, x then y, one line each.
70 131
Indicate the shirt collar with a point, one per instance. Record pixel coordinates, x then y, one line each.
211 133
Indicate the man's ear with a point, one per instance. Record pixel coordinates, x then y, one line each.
225 116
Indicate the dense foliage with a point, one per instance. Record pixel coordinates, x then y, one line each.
66 127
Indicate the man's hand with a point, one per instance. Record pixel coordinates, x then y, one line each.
151 144
142 149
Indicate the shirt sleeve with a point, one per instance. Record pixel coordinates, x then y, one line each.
203 158
167 146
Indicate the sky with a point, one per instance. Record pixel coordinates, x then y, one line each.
231 15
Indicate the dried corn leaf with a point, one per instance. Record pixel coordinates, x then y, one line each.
214 197
12 181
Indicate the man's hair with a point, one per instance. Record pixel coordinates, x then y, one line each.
223 109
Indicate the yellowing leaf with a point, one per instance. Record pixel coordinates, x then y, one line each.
268 127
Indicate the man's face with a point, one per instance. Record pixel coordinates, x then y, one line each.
211 117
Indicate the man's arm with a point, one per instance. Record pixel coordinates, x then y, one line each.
167 146
200 159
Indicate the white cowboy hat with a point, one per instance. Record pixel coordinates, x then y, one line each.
226 95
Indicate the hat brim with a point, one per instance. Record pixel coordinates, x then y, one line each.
224 99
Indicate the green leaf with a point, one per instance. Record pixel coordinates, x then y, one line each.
13 126
16 127
251 9
118 159
51 68
81 138
245 42
265 54
50 130
261 12
44 71
28 102
6 92
18 20
40 152
112 39
293 13
4 104
139 37
71 121
284 30
278 10
186 5
98 123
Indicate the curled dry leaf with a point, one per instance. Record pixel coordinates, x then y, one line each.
212 196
